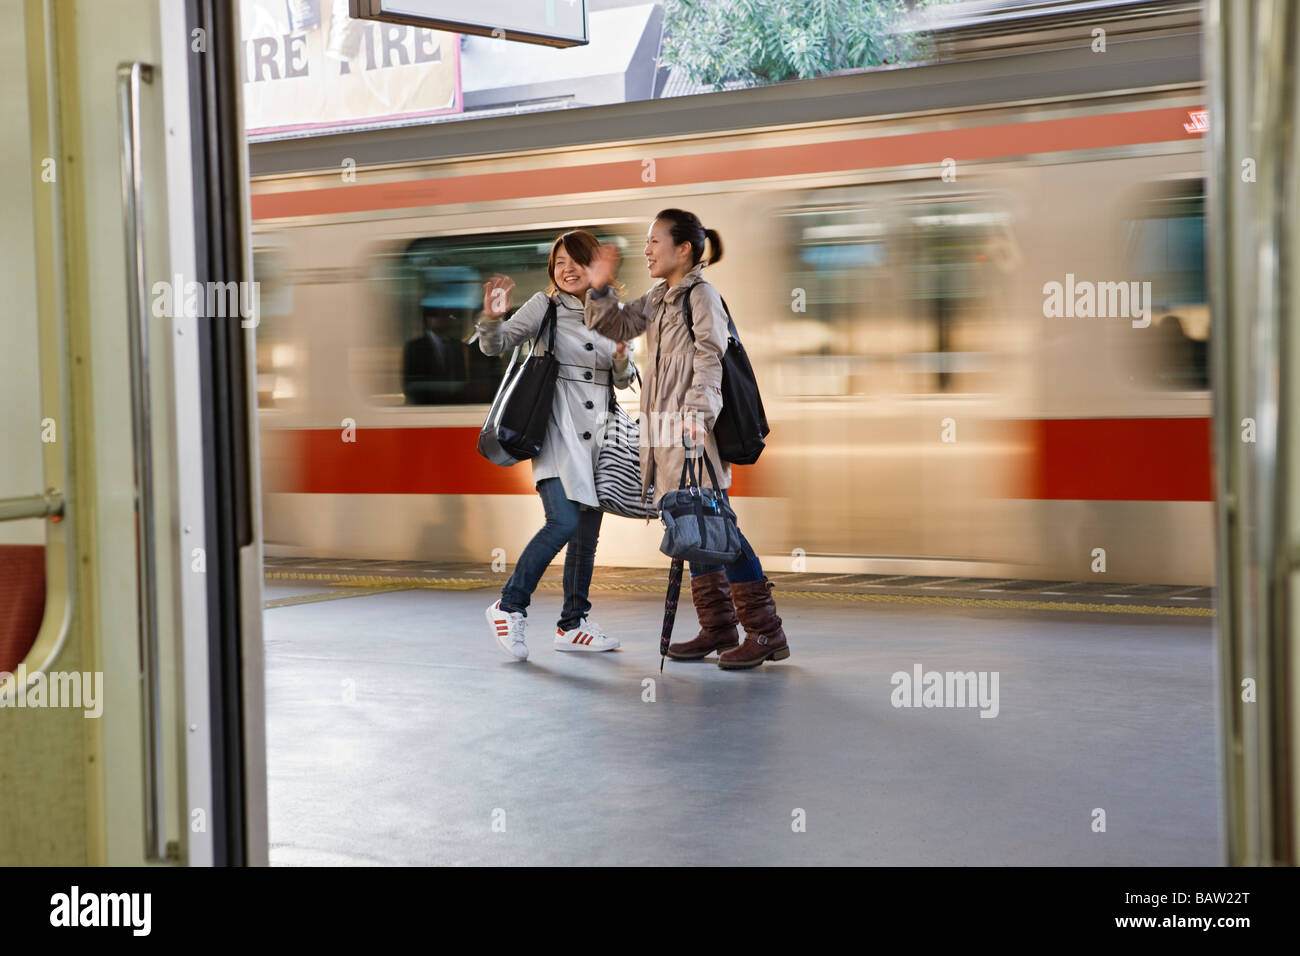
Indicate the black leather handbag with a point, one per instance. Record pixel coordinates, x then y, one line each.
699 525
516 424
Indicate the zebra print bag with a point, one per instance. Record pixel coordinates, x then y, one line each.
618 468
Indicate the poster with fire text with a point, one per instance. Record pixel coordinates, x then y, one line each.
309 67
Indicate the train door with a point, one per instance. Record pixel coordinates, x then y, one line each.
131 721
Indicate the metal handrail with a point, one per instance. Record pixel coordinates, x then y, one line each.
17 508
47 505
129 78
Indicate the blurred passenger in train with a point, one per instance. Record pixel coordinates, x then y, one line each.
434 364
685 386
438 367
1181 347
564 472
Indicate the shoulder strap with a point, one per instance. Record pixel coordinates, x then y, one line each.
552 318
686 309
690 319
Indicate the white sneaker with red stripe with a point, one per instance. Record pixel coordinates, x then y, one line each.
587 636
508 628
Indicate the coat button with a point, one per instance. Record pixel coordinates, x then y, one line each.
587 375
590 346
591 404
586 436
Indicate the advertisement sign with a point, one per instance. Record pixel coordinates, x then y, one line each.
309 67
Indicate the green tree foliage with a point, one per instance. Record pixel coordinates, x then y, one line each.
755 42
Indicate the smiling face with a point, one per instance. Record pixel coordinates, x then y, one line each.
568 276
662 257
571 253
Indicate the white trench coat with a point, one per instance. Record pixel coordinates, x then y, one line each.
580 412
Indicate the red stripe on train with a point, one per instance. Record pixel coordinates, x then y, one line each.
1122 459
402 461
904 149
1104 459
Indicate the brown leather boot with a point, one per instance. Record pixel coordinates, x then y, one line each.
712 597
764 638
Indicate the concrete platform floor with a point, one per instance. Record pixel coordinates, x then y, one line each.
398 733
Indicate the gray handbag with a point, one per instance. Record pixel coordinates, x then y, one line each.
699 525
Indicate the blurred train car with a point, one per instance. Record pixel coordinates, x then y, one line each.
892 240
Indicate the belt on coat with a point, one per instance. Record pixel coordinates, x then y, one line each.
573 373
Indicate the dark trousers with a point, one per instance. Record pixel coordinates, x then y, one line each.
567 522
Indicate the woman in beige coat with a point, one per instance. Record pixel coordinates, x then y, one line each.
680 404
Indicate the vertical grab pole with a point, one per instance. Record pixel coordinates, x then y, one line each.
1250 51
1227 31
129 78
1277 309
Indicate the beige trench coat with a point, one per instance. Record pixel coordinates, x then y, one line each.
681 377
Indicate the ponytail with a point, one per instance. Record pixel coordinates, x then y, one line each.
685 226
715 245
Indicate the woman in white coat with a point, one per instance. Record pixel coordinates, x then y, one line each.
564 472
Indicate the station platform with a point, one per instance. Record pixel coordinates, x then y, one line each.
399 733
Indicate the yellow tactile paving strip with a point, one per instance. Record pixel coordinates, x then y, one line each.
382 580
359 585
342 591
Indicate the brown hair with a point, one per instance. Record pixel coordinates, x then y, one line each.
685 226
581 247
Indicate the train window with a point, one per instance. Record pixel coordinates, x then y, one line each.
1165 245
433 289
831 338
951 252
889 300
278 359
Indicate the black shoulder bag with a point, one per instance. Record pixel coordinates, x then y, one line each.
516 424
742 424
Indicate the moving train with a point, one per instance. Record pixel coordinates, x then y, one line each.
901 246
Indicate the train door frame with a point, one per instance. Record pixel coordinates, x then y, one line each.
223 413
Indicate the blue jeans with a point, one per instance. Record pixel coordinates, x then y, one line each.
567 522
744 568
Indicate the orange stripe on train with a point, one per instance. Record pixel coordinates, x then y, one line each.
901 149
